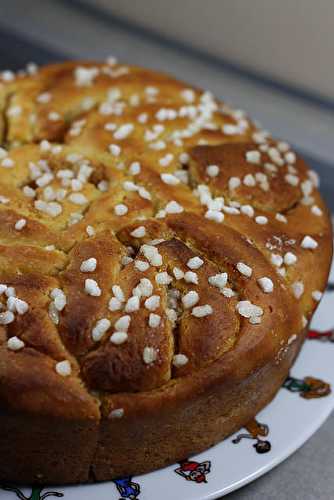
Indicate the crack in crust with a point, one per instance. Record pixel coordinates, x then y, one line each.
191 150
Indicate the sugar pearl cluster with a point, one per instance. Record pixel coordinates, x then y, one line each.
217 207
10 307
49 190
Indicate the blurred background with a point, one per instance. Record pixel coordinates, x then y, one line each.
272 58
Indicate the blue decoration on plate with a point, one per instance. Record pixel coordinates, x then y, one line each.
127 488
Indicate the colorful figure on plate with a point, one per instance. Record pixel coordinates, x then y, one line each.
36 493
255 429
327 336
194 471
308 387
127 488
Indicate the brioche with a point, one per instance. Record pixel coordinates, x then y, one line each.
160 259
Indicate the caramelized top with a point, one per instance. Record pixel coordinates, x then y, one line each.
147 231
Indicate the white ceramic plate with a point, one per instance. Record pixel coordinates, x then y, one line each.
229 466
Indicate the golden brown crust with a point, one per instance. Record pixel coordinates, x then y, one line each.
157 256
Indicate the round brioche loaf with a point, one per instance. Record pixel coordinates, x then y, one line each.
160 259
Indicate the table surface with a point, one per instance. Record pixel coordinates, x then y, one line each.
308 474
